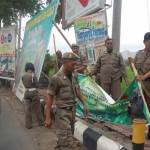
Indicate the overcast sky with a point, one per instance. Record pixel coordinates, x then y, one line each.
135 22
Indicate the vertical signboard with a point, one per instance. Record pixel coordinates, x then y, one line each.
35 43
90 30
7 52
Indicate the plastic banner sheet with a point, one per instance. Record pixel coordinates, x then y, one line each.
103 108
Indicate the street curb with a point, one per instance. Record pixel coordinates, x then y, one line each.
94 140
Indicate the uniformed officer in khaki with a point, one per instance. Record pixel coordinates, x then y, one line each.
59 59
111 69
31 97
142 64
62 89
81 64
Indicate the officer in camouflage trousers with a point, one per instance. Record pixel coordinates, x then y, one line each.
64 92
110 69
142 64
31 97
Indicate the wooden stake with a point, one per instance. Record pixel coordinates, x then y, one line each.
55 52
62 35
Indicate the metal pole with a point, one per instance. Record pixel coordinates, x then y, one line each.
148 14
19 31
116 24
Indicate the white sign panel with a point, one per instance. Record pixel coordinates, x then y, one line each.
76 8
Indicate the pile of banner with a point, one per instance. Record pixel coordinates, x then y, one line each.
103 108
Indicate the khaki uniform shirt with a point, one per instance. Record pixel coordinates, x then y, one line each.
29 80
142 64
61 88
110 66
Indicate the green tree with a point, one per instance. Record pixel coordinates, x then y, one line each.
59 11
10 9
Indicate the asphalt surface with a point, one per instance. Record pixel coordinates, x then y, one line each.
12 135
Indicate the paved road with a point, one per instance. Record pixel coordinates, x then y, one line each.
12 135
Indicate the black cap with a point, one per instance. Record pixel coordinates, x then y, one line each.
29 66
147 36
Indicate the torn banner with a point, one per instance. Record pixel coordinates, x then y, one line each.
103 108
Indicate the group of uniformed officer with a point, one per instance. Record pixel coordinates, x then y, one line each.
109 71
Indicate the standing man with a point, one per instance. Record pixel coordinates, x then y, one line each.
59 59
81 62
31 96
111 69
62 89
142 64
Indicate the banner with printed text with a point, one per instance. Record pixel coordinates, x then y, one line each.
35 42
7 52
91 28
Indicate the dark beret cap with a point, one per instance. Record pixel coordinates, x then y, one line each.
70 56
147 36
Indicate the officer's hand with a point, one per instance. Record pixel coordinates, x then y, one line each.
139 78
48 122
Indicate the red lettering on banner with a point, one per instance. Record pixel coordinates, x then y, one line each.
84 2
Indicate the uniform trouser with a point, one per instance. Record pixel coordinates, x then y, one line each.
64 119
113 88
32 105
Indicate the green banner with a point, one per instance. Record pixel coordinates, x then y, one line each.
103 108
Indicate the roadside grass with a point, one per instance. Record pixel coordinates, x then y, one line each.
130 75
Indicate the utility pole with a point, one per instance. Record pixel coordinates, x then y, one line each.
19 31
116 24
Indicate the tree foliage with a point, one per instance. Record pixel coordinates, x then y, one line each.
10 9
59 11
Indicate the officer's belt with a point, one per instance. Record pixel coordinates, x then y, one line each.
148 79
66 107
31 89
